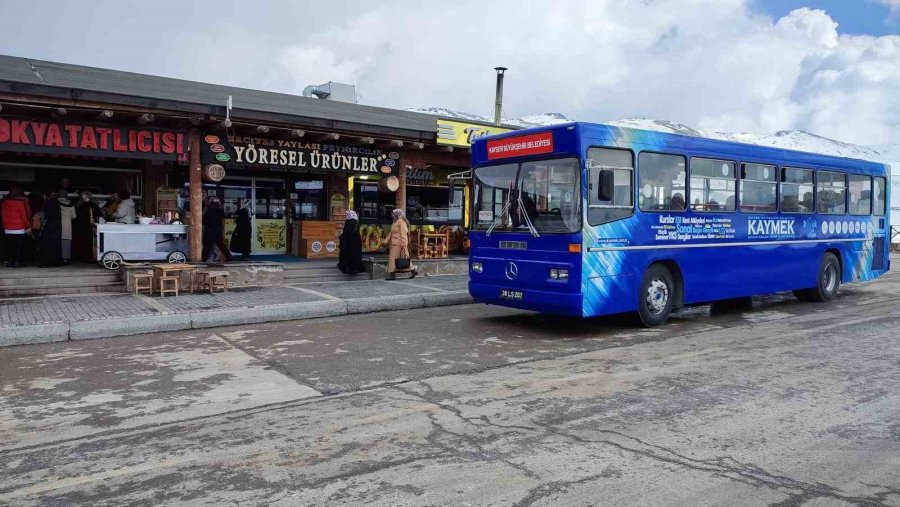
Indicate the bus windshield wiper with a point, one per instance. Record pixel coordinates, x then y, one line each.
524 211
498 218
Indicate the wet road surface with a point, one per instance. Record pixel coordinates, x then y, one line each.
781 402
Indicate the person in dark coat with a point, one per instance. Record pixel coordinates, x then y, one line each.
241 238
50 241
87 213
350 257
214 230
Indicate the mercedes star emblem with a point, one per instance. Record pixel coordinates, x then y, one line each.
512 271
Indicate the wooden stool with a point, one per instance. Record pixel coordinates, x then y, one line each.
142 282
217 280
164 282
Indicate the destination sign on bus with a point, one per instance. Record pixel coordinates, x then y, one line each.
519 146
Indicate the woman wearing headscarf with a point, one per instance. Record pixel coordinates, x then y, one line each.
50 242
241 237
87 213
399 244
350 258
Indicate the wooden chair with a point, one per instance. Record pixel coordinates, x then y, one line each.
142 282
169 285
218 280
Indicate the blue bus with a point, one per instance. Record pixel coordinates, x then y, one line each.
586 219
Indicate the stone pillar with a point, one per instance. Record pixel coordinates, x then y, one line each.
196 179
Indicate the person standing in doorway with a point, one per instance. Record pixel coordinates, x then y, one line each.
16 225
87 213
399 244
350 257
50 242
125 212
241 238
214 230
66 216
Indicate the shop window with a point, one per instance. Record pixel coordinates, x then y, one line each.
662 182
832 190
797 190
712 185
431 204
372 204
758 188
860 194
310 200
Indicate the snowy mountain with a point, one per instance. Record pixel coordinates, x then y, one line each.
534 120
788 139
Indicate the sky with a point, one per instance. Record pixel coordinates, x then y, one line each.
831 67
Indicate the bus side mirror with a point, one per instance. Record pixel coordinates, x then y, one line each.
607 184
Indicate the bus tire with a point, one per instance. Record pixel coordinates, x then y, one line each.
656 296
828 280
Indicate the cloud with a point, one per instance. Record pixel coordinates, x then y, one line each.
716 64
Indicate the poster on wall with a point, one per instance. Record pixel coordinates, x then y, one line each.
271 236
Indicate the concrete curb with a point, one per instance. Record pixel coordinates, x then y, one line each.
104 328
298 311
144 324
34 334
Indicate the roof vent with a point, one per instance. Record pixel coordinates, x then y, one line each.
332 91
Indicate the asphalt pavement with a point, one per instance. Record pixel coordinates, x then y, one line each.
773 401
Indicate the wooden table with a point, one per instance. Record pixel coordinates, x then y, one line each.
160 270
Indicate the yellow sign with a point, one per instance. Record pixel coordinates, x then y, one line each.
456 133
270 236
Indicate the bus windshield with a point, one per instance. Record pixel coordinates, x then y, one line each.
547 192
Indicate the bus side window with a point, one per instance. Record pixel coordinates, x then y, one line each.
860 194
880 201
832 190
758 188
712 185
611 184
797 189
662 182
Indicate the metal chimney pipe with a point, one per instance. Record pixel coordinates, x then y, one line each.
498 105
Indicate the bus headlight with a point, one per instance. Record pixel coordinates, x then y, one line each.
477 267
559 274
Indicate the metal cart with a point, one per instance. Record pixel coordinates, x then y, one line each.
117 243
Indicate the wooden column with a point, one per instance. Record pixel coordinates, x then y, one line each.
196 179
401 192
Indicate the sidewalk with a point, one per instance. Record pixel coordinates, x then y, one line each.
85 316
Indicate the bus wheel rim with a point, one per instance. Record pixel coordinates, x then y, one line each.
830 278
657 295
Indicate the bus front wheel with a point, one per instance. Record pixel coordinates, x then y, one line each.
827 283
657 296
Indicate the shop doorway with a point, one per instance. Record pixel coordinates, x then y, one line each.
267 202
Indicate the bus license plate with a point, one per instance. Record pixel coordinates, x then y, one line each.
514 295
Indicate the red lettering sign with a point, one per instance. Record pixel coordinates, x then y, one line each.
29 136
520 146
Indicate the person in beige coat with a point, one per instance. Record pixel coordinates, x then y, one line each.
399 244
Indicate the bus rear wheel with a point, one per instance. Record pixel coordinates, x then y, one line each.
656 296
827 282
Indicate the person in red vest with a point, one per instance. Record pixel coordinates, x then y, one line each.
16 224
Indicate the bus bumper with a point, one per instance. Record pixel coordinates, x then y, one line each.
558 303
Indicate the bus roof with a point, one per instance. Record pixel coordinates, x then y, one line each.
567 136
